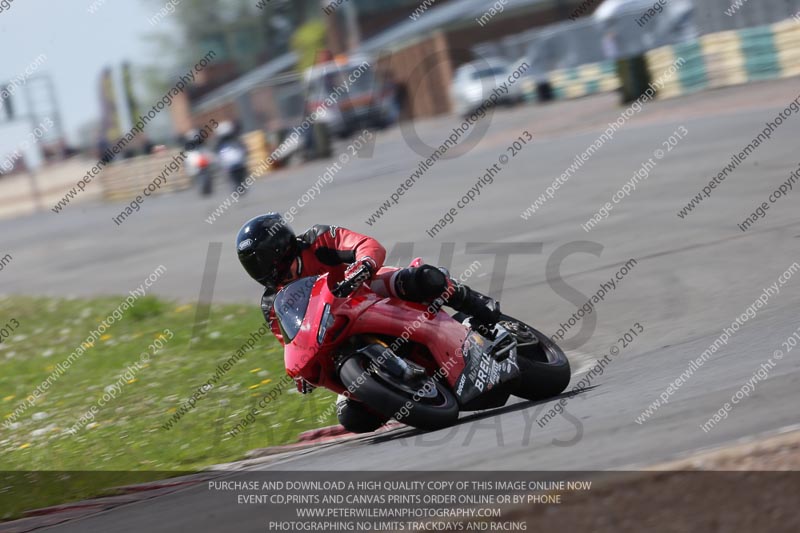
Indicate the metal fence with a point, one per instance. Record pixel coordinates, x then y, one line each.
711 16
631 29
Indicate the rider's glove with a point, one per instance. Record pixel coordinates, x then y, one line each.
357 273
355 267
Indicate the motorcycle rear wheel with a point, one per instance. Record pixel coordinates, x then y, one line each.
434 410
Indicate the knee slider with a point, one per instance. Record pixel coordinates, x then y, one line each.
420 284
432 281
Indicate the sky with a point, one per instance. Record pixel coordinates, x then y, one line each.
77 45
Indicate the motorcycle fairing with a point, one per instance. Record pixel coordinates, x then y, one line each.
366 312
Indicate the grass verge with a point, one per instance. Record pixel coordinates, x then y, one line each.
126 433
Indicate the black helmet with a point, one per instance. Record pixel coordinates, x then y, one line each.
267 246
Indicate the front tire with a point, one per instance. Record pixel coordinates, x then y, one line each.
435 409
544 368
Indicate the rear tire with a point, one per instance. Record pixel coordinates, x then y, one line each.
544 368
381 396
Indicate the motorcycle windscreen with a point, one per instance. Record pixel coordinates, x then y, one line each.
291 305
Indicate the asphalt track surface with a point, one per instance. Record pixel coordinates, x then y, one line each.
694 276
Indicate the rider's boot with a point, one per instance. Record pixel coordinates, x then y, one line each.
484 310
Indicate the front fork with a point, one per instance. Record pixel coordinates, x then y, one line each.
303 386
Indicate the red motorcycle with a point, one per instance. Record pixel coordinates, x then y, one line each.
406 361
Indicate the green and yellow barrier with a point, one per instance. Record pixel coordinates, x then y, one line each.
584 80
730 58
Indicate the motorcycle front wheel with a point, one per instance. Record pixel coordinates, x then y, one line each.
427 405
544 368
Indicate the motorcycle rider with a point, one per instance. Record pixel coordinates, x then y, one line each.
273 255
232 153
198 161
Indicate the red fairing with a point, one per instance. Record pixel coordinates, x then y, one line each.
365 312
302 355
440 333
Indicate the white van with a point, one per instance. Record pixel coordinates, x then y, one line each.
348 96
